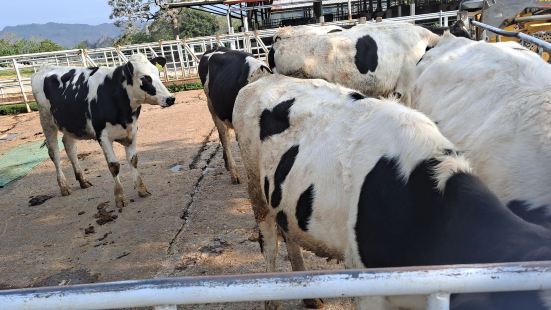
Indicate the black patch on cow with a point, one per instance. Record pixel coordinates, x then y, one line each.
282 170
356 96
304 207
281 220
413 224
335 30
267 189
158 60
275 121
271 58
93 70
538 215
261 241
112 104
366 58
147 85
68 101
227 72
128 73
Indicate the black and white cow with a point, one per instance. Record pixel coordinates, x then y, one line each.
377 59
223 73
374 183
493 100
98 103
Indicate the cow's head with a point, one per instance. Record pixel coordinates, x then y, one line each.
145 85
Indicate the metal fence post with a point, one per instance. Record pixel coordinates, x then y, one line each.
15 66
83 58
438 301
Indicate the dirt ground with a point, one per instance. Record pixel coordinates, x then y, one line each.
195 223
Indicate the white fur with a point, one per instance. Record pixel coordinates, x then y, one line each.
304 30
332 57
494 102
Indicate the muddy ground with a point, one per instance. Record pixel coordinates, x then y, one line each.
195 223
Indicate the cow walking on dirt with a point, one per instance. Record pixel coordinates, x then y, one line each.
102 104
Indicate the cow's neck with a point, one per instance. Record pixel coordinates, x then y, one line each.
124 93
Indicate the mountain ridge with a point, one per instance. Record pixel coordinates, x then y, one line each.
66 35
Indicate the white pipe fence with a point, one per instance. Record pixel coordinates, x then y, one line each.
436 281
182 56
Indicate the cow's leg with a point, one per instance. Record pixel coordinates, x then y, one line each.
297 263
267 238
269 247
72 153
50 132
224 135
132 157
114 167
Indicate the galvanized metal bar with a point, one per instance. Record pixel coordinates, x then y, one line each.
438 301
284 286
21 87
520 35
165 307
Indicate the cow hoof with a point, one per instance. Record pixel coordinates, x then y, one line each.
272 305
316 303
144 193
120 203
235 180
65 191
85 184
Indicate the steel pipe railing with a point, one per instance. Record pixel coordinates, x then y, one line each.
436 281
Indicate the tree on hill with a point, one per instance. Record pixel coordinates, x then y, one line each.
162 24
11 46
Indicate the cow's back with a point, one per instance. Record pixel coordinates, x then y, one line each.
370 58
494 102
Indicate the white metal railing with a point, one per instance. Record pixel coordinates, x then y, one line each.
182 56
436 281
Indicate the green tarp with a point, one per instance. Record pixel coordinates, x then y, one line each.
20 160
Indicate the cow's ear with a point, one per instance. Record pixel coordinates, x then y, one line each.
158 60
128 72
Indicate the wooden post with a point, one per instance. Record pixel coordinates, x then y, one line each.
15 66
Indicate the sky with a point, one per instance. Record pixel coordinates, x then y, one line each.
19 12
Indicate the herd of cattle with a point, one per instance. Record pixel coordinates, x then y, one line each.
382 145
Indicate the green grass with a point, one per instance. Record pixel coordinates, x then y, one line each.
11 109
173 88
25 72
